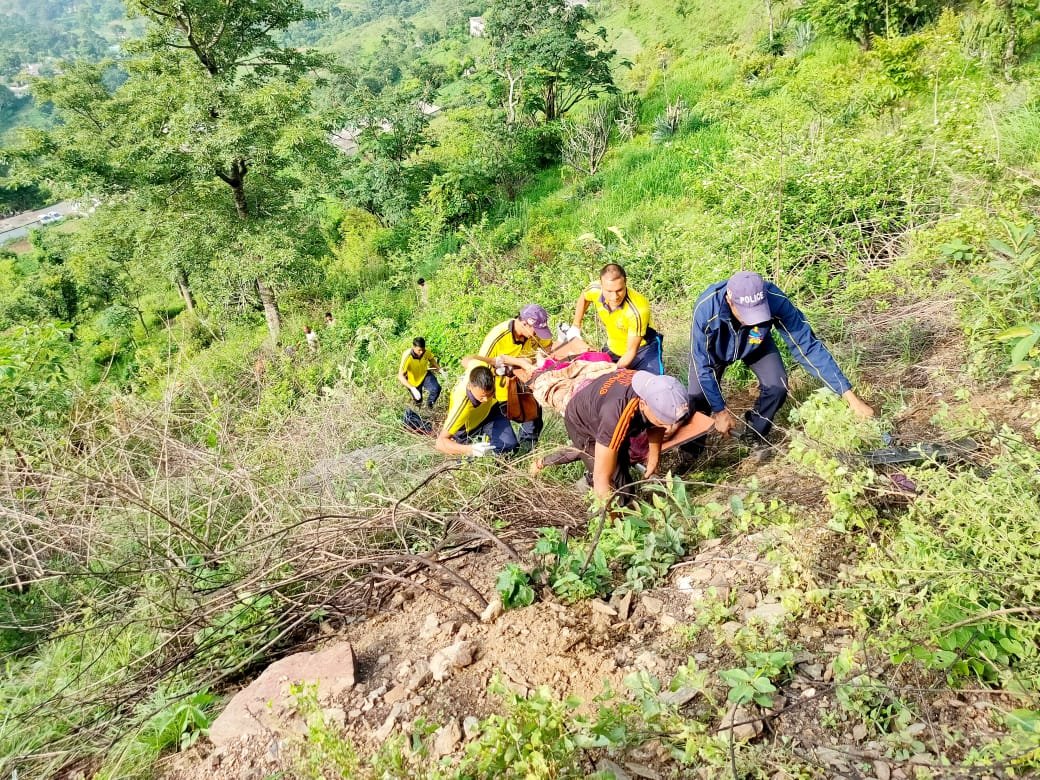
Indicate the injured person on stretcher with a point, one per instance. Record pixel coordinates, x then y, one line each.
615 417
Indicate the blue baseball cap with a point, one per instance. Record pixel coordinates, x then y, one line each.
538 318
747 297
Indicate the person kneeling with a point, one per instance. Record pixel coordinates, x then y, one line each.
604 416
475 426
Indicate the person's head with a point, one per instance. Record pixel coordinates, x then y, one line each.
613 284
481 384
746 296
418 346
421 282
306 328
328 316
662 400
533 321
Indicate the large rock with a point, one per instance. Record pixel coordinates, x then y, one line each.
263 704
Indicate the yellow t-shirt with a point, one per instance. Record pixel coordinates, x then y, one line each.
631 317
500 341
415 368
462 411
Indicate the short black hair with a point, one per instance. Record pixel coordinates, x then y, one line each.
419 341
328 314
482 379
421 281
613 271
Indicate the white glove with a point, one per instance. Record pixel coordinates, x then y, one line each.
568 332
415 393
482 448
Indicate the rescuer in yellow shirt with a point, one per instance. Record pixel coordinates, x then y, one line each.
475 425
631 339
521 336
416 373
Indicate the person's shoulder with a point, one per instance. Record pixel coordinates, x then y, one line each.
592 292
707 302
775 292
638 298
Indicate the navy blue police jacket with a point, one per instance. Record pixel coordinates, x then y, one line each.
718 339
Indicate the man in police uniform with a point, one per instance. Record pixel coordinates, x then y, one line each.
734 320
631 339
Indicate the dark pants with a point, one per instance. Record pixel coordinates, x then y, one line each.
768 368
498 430
649 357
529 431
431 388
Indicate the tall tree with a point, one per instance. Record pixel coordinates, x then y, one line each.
211 125
545 56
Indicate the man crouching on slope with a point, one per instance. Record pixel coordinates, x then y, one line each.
604 416
475 425
734 320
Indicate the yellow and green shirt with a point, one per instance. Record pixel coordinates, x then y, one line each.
500 341
414 368
631 317
463 409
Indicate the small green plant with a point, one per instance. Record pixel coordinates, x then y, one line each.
323 750
1025 355
957 251
754 682
514 586
668 124
538 736
180 723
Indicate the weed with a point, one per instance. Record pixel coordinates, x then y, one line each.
755 681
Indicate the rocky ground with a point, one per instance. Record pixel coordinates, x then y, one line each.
425 659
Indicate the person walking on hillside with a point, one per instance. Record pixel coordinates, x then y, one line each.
416 373
520 337
312 338
330 321
734 320
475 425
606 414
631 339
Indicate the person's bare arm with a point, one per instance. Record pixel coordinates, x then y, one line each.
579 311
402 377
860 407
630 350
653 458
603 472
449 446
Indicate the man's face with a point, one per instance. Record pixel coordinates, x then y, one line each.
732 308
419 352
613 291
525 328
482 396
669 428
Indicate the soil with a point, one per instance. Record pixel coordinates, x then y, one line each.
576 649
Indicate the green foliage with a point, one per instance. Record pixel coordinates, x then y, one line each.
755 682
535 738
324 749
33 387
861 20
543 58
179 724
976 629
514 586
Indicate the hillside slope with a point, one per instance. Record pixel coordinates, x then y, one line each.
213 504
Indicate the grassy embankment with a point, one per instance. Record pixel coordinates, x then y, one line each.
851 177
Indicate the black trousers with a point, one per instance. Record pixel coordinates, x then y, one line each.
768 368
